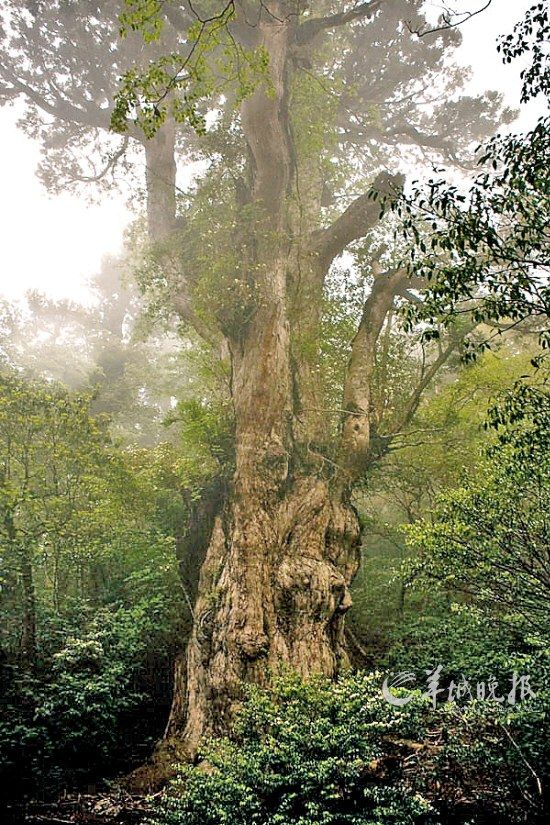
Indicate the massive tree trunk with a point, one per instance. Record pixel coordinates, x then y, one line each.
274 586
282 544
273 592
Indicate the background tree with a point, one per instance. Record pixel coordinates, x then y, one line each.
48 445
90 599
135 371
489 537
63 61
443 444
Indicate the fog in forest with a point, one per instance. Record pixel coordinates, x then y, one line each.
274 411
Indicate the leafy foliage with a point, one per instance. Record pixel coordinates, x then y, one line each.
316 751
302 753
490 537
89 588
444 442
487 252
174 83
89 529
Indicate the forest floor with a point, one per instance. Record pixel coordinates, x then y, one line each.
116 807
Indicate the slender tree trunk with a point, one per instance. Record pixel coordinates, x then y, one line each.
28 639
160 177
28 629
28 600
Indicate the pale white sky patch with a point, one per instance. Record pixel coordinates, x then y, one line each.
51 243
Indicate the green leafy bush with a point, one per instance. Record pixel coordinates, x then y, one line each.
304 753
327 753
488 539
457 637
74 720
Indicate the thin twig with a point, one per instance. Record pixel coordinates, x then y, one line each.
524 760
447 21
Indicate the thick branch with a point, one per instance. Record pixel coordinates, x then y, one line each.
410 134
357 220
264 116
311 28
160 175
182 306
355 441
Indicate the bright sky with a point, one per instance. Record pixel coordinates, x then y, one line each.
55 244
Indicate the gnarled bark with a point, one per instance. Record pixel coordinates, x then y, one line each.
274 586
273 592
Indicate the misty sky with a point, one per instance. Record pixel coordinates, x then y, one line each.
55 244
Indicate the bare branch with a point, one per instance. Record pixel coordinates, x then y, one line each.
447 21
408 133
524 760
413 403
111 163
410 296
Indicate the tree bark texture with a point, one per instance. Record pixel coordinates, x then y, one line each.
284 548
274 586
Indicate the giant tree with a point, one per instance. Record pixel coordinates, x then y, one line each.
303 114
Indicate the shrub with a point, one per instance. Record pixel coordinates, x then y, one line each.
73 720
304 753
330 753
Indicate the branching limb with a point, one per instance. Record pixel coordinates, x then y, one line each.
184 310
360 216
447 20
428 375
57 107
311 28
111 163
356 430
